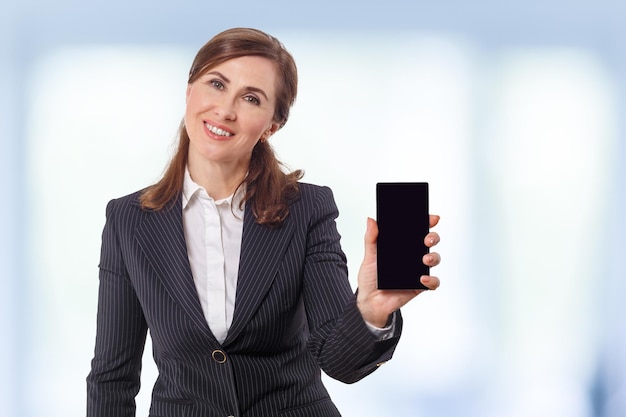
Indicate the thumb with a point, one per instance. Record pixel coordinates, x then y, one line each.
371 236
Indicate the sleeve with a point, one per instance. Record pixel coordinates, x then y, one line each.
114 379
340 340
383 333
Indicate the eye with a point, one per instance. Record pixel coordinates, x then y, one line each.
217 84
252 99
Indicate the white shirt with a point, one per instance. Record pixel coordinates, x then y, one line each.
213 231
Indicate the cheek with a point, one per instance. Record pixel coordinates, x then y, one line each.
195 104
260 124
256 132
189 105
199 98
193 101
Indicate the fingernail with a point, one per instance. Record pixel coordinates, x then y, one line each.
431 240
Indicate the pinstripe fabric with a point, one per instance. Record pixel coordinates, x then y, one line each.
295 314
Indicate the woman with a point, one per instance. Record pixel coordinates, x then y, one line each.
235 266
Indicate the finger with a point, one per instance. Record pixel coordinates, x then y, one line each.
433 220
431 259
371 236
432 283
431 239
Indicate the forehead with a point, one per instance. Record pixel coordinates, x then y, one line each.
249 71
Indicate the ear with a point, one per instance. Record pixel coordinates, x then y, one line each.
272 129
187 93
269 132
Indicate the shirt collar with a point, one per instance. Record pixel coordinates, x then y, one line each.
191 190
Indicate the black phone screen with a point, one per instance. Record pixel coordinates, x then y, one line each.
403 223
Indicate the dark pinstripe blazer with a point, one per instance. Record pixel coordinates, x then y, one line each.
294 314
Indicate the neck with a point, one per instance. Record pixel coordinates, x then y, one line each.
219 180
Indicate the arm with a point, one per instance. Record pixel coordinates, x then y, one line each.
340 340
114 379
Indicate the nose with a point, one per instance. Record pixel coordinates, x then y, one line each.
225 109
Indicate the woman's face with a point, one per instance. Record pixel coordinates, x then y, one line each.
229 108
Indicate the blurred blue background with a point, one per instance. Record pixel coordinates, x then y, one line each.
512 110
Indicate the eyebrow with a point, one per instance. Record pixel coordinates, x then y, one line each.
250 88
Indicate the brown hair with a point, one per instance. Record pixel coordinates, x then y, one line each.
269 189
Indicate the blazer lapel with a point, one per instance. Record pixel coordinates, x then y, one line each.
262 251
162 238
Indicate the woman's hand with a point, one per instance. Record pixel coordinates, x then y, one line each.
376 305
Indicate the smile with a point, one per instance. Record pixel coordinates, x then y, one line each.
217 130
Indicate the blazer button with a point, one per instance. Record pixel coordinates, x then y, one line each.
218 356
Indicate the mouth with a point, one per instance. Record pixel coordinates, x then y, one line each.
217 131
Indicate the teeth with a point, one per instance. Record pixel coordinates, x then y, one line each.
217 130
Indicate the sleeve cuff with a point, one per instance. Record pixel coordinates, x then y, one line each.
386 332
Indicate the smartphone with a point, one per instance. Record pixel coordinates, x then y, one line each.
403 223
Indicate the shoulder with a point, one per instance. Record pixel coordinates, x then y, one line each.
312 192
127 210
315 200
312 195
124 203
